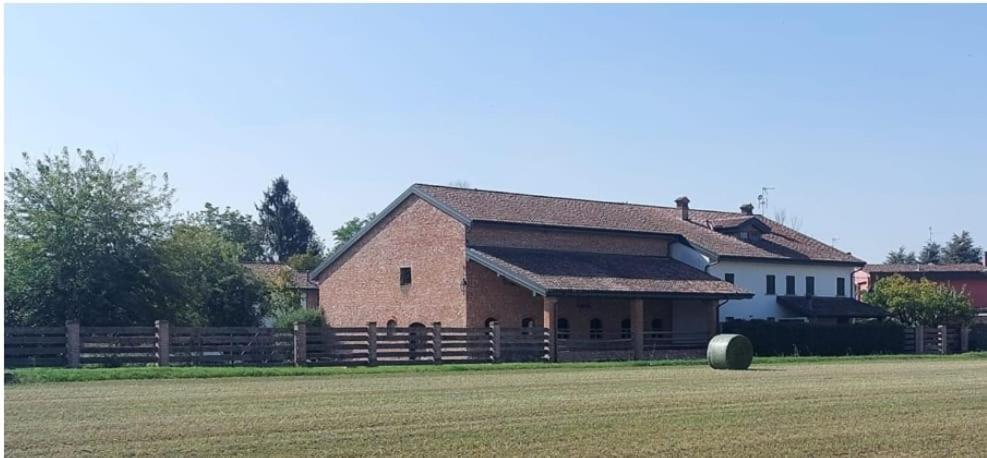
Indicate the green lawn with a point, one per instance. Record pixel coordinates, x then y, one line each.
930 406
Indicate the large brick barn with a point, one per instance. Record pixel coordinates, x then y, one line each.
471 258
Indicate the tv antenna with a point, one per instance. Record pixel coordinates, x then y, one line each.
762 199
931 235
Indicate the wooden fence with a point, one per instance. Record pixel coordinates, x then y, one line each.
74 345
937 340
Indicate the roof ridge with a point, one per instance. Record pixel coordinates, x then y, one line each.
543 250
543 196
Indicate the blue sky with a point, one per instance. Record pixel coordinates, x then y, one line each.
869 121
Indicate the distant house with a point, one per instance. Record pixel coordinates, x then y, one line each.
269 272
970 277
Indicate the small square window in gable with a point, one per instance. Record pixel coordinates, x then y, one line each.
405 276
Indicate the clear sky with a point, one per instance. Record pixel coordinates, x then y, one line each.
869 121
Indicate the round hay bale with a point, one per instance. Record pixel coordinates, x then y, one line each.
730 351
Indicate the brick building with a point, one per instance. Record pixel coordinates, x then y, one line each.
586 270
273 272
970 278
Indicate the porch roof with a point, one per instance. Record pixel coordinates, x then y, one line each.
568 273
830 307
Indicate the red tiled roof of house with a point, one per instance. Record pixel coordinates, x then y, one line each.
920 268
781 243
269 272
561 272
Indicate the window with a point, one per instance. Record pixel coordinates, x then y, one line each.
527 323
391 327
562 328
728 277
790 285
416 341
769 289
490 322
595 328
405 276
810 286
625 328
840 286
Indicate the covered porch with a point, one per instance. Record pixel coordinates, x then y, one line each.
615 307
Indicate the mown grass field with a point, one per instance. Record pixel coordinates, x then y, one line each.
928 406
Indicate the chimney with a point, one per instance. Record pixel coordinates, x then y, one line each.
747 209
683 204
985 258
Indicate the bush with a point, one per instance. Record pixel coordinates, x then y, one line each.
286 318
772 338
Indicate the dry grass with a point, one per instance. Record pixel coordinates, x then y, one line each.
919 407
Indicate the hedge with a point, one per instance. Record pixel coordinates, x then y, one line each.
771 338
978 337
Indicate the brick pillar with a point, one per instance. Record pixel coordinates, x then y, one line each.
300 335
550 315
437 342
73 343
637 327
162 336
713 320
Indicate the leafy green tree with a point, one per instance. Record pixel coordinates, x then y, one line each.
920 302
901 257
203 282
233 226
78 235
961 249
304 262
351 228
286 231
931 253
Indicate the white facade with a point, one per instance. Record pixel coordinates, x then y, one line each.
752 276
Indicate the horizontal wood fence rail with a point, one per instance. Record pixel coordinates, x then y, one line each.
107 346
937 340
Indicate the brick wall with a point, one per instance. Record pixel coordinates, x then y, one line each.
364 286
492 297
491 234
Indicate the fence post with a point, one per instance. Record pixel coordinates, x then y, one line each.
495 342
300 334
437 342
162 335
372 343
964 338
919 339
943 340
73 344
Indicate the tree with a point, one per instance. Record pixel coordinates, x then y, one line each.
202 281
351 228
78 240
961 249
920 302
781 217
233 226
901 257
304 262
286 231
931 253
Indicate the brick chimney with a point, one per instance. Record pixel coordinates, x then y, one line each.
747 209
683 204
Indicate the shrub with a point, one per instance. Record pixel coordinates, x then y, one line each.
286 318
920 302
795 338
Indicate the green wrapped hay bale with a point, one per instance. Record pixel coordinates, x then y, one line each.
730 351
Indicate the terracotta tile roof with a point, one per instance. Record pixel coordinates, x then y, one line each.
820 306
782 243
565 272
270 271
921 268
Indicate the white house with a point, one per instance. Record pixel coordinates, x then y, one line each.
792 275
